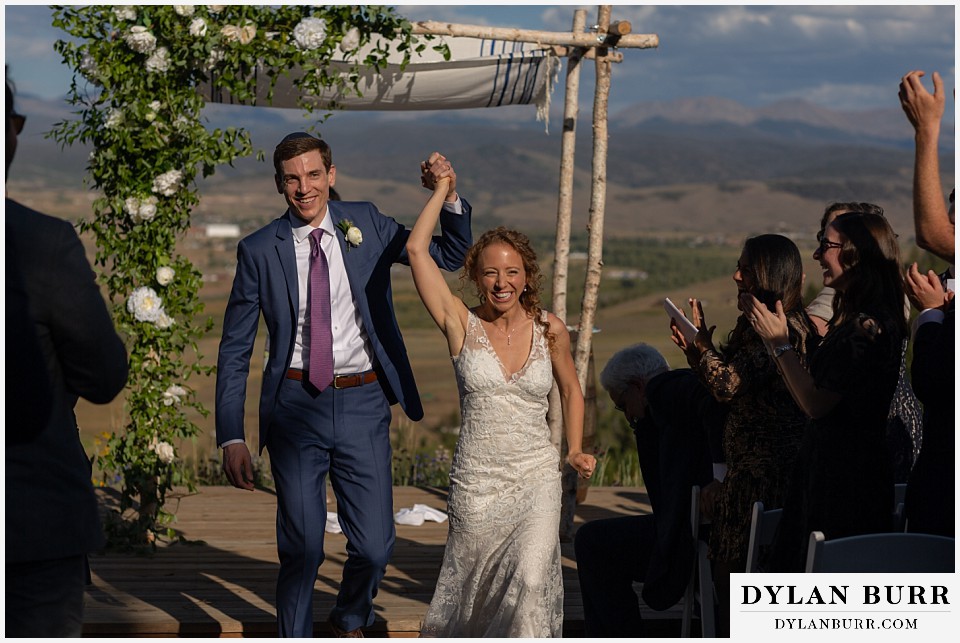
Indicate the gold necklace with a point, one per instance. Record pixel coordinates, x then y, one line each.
505 332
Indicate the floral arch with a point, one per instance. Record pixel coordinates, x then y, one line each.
137 71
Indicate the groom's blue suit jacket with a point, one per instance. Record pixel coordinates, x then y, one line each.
266 282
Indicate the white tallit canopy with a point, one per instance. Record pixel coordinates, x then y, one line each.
480 73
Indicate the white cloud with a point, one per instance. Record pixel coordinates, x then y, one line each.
844 96
735 20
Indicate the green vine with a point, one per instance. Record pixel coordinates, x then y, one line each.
136 74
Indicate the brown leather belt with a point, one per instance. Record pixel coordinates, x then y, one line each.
339 381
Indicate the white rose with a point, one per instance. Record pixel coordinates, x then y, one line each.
216 8
88 67
216 55
140 40
144 304
165 275
168 182
198 28
230 33
164 321
114 119
310 33
155 105
247 34
125 12
147 210
159 60
131 205
173 395
354 236
351 40
165 452
183 9
181 122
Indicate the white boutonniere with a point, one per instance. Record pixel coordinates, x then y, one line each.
351 233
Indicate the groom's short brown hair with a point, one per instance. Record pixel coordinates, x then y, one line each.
298 143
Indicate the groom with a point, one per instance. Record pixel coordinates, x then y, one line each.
320 276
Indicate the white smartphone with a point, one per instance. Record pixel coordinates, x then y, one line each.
685 325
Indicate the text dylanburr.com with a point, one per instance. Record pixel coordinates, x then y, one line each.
844 606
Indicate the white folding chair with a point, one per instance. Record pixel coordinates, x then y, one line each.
893 552
763 525
700 588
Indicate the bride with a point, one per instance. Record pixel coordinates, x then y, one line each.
501 566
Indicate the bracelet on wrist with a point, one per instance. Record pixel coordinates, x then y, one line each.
780 350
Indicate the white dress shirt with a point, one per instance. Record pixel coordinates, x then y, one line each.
351 353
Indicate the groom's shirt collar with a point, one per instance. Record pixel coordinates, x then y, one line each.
302 230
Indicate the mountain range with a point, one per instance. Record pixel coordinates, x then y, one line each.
701 165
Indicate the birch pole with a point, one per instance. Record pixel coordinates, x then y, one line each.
561 255
598 196
577 39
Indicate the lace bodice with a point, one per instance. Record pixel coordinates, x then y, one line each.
504 437
501 568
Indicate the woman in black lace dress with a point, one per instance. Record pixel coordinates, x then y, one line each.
761 436
843 484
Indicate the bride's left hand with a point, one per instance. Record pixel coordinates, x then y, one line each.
584 463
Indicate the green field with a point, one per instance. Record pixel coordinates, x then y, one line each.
630 311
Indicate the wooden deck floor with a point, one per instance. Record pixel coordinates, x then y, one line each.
222 583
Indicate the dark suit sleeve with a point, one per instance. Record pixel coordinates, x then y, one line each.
28 388
240 323
932 373
91 354
450 248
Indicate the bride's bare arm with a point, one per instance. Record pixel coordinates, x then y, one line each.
571 398
446 309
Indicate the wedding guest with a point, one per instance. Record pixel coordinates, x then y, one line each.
905 418
843 484
52 517
929 505
501 573
675 421
320 277
761 437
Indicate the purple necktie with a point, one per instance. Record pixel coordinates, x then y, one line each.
320 370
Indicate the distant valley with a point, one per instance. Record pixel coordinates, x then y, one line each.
699 166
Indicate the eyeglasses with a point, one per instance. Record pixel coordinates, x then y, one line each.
19 120
621 405
826 245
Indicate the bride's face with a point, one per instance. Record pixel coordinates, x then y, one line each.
500 276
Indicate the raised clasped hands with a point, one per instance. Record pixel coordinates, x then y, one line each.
584 463
434 169
925 290
770 326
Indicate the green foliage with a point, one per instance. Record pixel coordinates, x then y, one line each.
134 90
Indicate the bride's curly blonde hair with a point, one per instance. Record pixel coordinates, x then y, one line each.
530 297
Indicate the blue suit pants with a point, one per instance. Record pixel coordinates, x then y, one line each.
344 433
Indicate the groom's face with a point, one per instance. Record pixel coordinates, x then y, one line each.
305 183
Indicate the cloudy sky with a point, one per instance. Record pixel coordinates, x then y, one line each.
839 56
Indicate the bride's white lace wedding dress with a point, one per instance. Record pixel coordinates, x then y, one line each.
501 568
